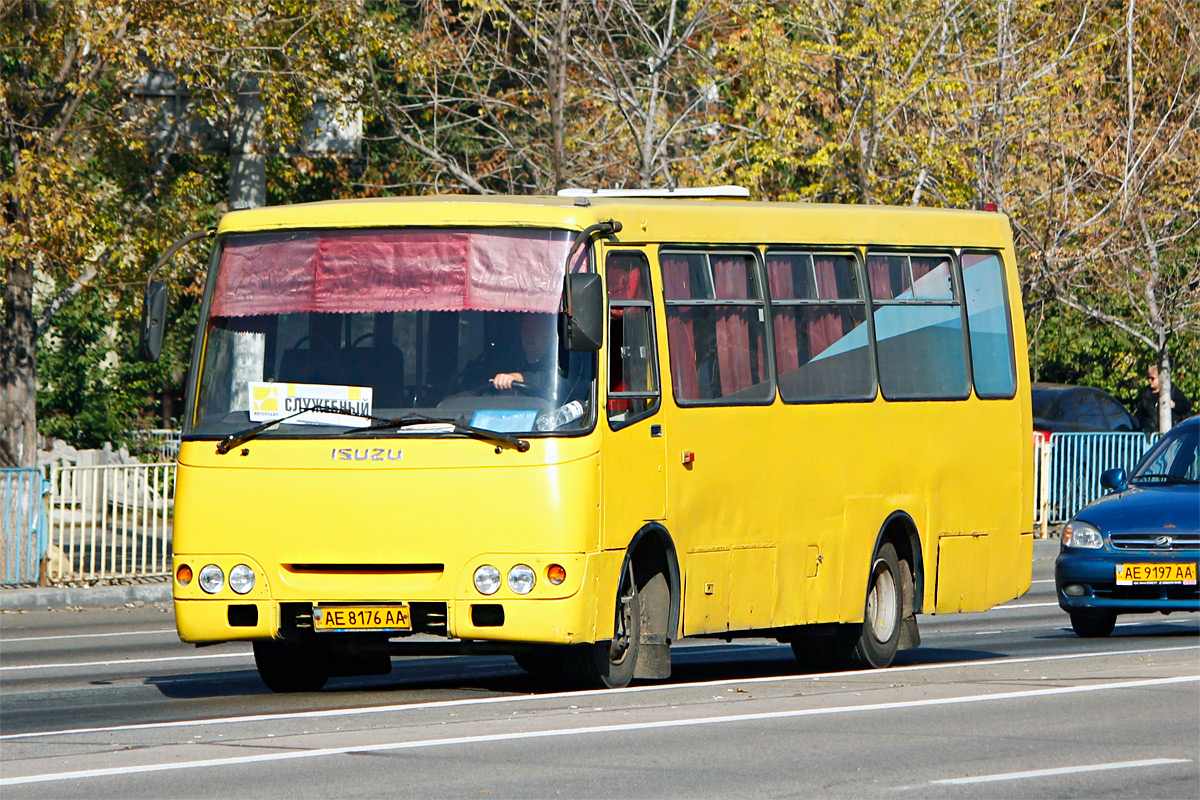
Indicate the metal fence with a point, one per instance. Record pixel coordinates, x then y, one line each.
110 521
1069 465
22 515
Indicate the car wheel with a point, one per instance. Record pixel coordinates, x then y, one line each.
1093 626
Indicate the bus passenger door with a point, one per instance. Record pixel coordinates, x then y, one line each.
633 451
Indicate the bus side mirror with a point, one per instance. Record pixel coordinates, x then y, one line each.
154 318
582 325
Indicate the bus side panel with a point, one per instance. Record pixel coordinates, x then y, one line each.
962 574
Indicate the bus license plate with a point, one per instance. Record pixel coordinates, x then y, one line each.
391 617
1181 574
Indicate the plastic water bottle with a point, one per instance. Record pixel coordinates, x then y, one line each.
562 416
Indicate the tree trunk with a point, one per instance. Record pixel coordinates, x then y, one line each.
558 94
18 369
1164 391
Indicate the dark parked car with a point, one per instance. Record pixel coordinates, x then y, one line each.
1136 549
1058 408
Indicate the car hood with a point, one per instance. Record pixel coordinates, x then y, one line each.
1147 508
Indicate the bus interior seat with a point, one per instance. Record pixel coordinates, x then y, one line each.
296 366
379 366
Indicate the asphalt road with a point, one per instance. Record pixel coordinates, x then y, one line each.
1010 703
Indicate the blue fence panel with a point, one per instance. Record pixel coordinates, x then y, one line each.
23 516
1077 461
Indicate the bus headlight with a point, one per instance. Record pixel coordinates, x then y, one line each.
487 579
241 579
212 579
521 579
1082 535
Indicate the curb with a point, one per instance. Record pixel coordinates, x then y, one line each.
84 596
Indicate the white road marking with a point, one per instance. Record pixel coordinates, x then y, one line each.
6 640
1047 580
583 693
1042 773
1024 605
125 661
291 755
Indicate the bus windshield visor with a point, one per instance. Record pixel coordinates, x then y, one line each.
455 324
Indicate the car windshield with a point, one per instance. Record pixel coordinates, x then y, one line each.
1174 459
389 323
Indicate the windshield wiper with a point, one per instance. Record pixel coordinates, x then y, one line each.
1159 476
234 439
420 419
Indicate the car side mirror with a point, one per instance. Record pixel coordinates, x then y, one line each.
1113 480
154 318
582 324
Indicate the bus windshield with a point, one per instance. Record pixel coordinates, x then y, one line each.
455 324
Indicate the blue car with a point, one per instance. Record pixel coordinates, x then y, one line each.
1136 549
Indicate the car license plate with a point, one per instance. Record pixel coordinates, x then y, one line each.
390 617
1180 574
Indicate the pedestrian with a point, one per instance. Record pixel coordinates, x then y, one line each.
1147 403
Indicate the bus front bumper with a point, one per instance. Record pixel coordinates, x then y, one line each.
568 620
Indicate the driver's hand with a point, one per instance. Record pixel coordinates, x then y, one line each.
505 380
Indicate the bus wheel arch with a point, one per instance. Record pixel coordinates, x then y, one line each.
646 617
892 598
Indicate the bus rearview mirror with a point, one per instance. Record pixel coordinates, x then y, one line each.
583 327
154 318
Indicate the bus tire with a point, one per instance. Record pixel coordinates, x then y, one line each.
873 644
292 666
1093 626
542 664
610 665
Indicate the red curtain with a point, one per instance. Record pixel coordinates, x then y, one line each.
888 277
779 275
351 271
733 331
825 324
680 339
626 279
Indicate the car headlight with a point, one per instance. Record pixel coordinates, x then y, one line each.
521 579
241 579
212 579
487 579
1082 535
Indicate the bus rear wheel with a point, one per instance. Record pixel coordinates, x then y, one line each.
292 666
872 643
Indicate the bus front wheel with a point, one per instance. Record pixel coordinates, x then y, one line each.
610 665
292 666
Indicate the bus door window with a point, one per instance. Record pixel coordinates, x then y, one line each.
716 328
632 363
819 315
920 346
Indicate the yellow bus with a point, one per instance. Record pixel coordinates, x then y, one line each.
577 429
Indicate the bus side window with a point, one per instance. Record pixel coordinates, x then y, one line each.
819 316
919 335
632 364
716 328
990 326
